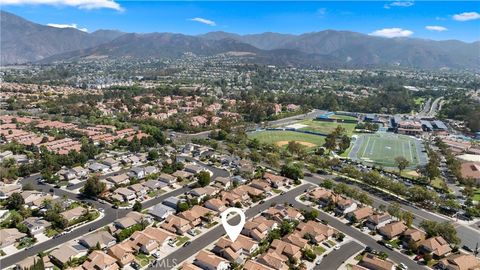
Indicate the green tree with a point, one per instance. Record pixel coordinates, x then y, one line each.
292 171
93 186
309 255
15 201
153 155
183 206
203 178
402 163
137 206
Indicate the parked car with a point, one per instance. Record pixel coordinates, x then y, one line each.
467 248
187 243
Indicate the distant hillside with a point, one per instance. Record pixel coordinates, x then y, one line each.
355 49
24 41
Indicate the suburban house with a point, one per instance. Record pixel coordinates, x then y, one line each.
296 240
139 189
130 219
231 198
373 262
275 181
437 246
172 202
378 220
121 179
29 262
233 251
153 184
258 228
196 214
274 260
280 213
98 167
223 183
412 237
253 265
345 206
137 172
392 230
209 261
66 252
123 252
113 164
459 262
148 240
215 205
80 172
161 212
74 213
287 249
36 225
261 184
167 178
99 260
175 224
193 168
202 192
125 194
360 214
150 170
102 238
320 231
10 236
7 190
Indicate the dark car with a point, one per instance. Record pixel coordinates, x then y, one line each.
368 249
51 190
187 243
467 248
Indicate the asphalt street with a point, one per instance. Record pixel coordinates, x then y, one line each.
216 233
111 215
468 235
337 257
289 197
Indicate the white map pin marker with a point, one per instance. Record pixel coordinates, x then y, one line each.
233 231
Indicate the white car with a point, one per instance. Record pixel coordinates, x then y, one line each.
403 266
337 247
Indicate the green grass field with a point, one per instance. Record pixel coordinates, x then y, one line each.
282 138
382 149
327 127
344 117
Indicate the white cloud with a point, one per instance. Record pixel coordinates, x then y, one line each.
82 4
73 25
204 21
399 4
436 28
392 32
321 11
466 16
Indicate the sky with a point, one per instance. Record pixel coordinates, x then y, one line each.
437 20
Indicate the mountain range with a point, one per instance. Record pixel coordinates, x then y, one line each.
23 41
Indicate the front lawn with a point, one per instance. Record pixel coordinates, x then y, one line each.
395 243
142 259
181 240
319 250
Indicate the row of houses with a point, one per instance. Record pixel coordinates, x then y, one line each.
382 222
280 252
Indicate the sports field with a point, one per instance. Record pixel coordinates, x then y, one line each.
282 138
383 148
326 127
